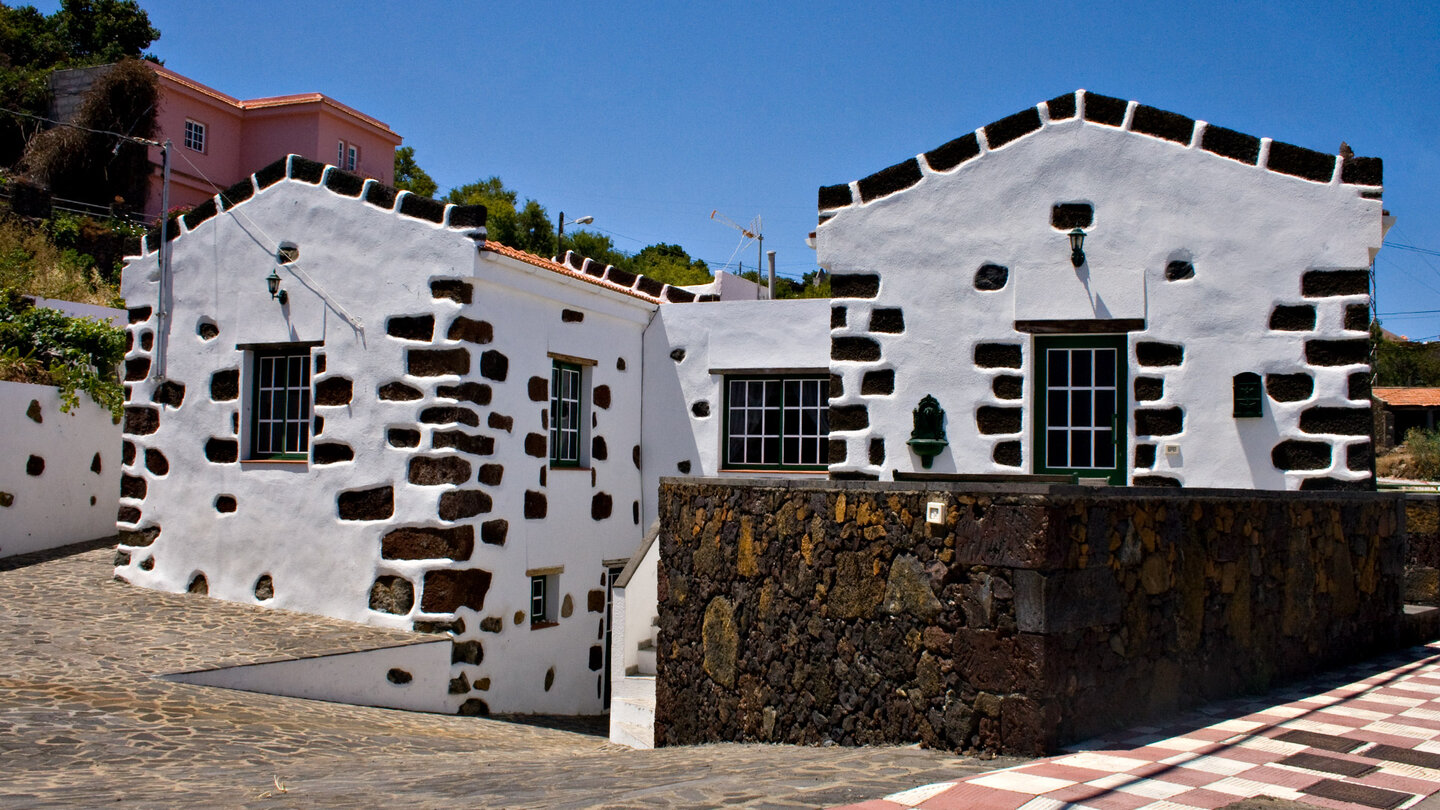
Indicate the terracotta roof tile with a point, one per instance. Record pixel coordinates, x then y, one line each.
1409 397
556 267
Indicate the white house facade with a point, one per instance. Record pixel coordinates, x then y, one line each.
1209 329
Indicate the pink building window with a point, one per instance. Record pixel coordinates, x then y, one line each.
194 135
340 154
352 157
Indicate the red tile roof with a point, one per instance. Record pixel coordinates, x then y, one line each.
1409 397
564 270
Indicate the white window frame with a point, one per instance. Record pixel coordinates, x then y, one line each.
780 440
194 135
544 590
340 154
352 157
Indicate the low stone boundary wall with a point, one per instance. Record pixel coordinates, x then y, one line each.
1031 616
1422 556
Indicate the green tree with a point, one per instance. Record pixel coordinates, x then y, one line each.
83 164
596 246
1403 363
99 31
409 176
527 228
82 33
670 264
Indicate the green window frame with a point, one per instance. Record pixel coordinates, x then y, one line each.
1079 381
776 422
280 401
567 412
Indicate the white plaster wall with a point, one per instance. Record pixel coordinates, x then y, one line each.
372 264
1249 232
359 678
717 337
68 502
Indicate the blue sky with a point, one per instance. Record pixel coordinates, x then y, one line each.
648 116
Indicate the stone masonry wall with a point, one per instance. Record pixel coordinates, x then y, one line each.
1422 553
1031 616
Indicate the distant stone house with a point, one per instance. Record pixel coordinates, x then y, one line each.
1403 409
346 401
1208 330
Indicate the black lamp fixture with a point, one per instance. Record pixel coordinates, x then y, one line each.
272 281
1077 247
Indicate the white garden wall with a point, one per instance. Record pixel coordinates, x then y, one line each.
61 475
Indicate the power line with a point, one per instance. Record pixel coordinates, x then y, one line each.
121 136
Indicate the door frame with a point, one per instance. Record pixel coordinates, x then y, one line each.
1119 475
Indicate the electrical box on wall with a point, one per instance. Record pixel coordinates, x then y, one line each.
935 512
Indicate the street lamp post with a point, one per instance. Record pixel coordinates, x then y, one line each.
560 231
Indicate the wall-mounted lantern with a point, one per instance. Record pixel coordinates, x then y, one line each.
1247 395
1077 247
272 281
928 437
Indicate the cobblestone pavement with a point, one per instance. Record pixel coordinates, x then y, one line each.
84 723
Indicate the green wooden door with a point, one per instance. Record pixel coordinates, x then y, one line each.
1081 407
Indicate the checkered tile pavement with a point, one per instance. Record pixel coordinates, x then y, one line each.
1373 742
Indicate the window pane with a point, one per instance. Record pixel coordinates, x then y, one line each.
1057 409
1104 407
753 451
1080 409
810 393
1105 367
1080 367
755 393
737 451
1055 449
1058 368
792 451
1104 449
1080 448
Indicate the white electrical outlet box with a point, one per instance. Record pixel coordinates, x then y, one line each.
1172 449
935 512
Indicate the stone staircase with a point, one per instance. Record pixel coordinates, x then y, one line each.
632 698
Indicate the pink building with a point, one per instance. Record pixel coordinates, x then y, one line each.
218 139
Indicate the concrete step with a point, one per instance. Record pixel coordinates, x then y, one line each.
1421 624
634 736
645 661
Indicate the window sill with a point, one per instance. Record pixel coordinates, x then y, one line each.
301 461
543 625
553 468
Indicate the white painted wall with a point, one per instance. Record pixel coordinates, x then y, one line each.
359 678
358 266
717 337
68 502
1249 232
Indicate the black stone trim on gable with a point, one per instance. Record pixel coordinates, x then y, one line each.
199 214
889 180
1105 109
467 216
837 196
413 205
1231 144
380 195
306 170
1362 171
1298 161
344 183
1162 124
1012 127
1061 107
679 296
947 156
241 191
649 286
272 174
615 275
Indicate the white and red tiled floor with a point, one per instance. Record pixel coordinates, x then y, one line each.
1385 711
